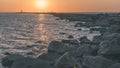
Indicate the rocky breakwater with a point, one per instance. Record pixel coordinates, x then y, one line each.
102 52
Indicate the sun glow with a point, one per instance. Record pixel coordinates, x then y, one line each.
41 3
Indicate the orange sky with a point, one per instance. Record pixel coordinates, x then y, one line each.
61 6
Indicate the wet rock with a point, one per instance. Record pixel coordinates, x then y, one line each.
84 40
31 63
114 29
98 29
30 53
78 24
70 37
110 47
97 40
110 36
65 41
39 42
87 50
116 65
59 47
79 29
9 60
71 42
67 61
62 33
96 62
7 53
51 57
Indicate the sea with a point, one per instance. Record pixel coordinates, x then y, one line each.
30 34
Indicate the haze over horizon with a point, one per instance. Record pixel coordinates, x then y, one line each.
60 6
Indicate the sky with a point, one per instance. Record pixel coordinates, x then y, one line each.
60 6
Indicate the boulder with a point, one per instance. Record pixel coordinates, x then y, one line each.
84 40
110 47
114 29
87 50
67 61
31 63
71 42
116 65
70 37
97 40
59 47
50 57
110 36
96 62
9 60
78 24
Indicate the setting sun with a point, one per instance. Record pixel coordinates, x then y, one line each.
41 3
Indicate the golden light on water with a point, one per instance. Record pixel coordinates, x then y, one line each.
41 29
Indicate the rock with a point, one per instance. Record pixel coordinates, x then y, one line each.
51 57
59 47
110 47
79 29
31 63
62 33
116 65
84 40
30 53
71 42
97 40
102 29
7 53
96 62
39 42
65 41
114 29
9 60
78 24
70 37
87 50
67 61
110 36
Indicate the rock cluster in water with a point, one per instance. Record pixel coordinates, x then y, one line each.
102 52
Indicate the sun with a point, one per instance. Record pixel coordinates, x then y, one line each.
41 3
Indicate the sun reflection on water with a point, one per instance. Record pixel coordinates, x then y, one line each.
41 29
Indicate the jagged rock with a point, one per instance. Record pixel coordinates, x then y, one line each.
9 60
31 63
110 47
51 57
67 61
84 40
110 36
87 50
70 37
96 62
73 42
114 29
78 24
59 47
117 65
97 40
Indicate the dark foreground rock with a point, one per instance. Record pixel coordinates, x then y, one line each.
96 62
67 61
30 63
50 57
10 59
116 65
59 47
19 61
